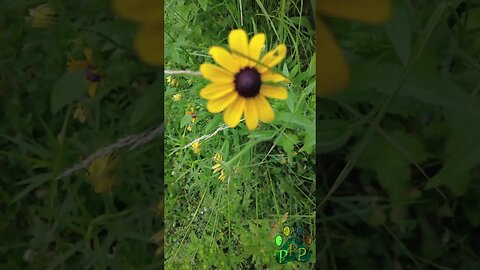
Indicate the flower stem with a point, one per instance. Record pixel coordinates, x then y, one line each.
182 72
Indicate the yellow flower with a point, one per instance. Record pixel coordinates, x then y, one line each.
149 14
196 147
189 128
218 167
238 83
91 74
100 173
41 16
217 157
81 113
172 81
332 67
177 97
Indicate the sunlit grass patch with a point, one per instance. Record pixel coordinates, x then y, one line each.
228 184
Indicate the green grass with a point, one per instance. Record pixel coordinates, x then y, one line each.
231 224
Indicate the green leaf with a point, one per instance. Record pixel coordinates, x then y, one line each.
186 120
148 103
295 120
288 142
71 87
427 88
332 134
390 164
291 100
203 4
399 31
213 124
462 153
262 134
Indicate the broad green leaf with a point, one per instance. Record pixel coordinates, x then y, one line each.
291 100
295 120
262 134
186 120
462 153
148 104
213 124
390 164
288 142
427 88
332 134
399 30
70 87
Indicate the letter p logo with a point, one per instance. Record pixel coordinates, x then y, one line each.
281 255
301 253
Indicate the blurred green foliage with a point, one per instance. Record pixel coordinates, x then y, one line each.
47 223
405 188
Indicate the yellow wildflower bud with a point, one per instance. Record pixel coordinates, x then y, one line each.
196 147
41 16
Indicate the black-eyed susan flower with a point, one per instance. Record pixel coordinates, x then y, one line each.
100 173
42 16
192 114
217 168
177 97
91 73
239 82
149 14
172 81
332 66
196 147
81 113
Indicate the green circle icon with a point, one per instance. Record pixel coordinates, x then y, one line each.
286 231
278 240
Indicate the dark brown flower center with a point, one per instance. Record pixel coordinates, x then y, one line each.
247 82
91 74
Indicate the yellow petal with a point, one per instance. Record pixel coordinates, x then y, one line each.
215 73
251 113
216 90
224 59
143 11
234 112
255 48
101 166
272 58
371 11
277 92
219 104
77 65
149 44
103 183
41 22
265 111
88 54
332 68
92 89
238 43
270 76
